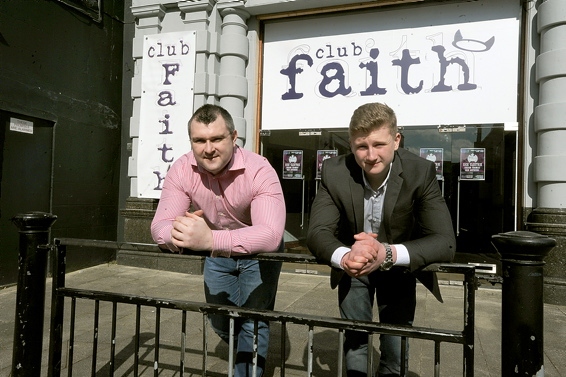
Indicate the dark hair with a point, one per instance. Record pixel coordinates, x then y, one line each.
372 116
207 114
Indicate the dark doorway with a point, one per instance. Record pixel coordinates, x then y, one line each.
25 180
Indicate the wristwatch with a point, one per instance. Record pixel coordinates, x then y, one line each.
388 262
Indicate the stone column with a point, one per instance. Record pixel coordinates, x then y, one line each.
549 216
138 212
196 16
234 54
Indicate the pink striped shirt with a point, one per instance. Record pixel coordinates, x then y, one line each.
243 205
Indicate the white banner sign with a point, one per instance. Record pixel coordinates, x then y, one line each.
434 65
168 71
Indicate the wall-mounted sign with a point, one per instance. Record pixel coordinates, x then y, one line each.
292 164
168 72
435 155
321 155
472 164
20 125
434 64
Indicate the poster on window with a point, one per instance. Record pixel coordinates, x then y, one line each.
292 164
435 155
321 155
472 164
166 105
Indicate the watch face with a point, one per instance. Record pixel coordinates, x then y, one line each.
386 265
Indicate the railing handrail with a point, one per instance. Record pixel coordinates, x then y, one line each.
457 268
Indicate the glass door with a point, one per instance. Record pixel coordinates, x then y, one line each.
296 156
477 179
476 168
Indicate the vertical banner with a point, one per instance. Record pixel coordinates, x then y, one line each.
435 155
321 155
292 164
472 164
168 70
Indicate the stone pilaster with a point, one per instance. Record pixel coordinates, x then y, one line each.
234 55
196 16
139 212
552 222
549 217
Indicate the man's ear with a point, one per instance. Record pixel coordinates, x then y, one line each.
397 140
234 136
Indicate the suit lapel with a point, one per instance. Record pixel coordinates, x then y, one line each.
392 193
356 183
357 191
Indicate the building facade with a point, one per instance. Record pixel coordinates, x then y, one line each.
477 87
93 114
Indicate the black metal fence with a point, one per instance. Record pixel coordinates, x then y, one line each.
465 337
34 249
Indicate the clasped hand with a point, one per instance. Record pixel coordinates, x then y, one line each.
191 232
365 256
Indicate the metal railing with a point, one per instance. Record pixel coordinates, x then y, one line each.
522 349
464 337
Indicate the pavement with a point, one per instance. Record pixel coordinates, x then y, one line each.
305 292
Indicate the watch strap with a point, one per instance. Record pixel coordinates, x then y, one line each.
388 262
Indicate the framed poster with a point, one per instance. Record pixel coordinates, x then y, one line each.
472 164
435 155
292 164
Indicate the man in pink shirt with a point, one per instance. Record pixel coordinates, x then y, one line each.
228 201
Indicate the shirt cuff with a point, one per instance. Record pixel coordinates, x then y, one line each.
403 258
168 242
337 256
221 244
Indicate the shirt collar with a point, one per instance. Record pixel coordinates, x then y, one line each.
236 162
368 186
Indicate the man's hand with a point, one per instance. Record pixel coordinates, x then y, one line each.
191 232
363 253
365 256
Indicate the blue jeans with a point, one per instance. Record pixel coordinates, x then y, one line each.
395 292
249 284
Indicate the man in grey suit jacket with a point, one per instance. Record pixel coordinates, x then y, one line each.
377 219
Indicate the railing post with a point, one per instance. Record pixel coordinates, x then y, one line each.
522 343
30 297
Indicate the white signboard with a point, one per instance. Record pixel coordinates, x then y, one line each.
168 71
434 65
20 125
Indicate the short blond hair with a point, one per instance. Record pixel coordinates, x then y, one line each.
372 116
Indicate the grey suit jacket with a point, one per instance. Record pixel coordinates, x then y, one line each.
414 213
